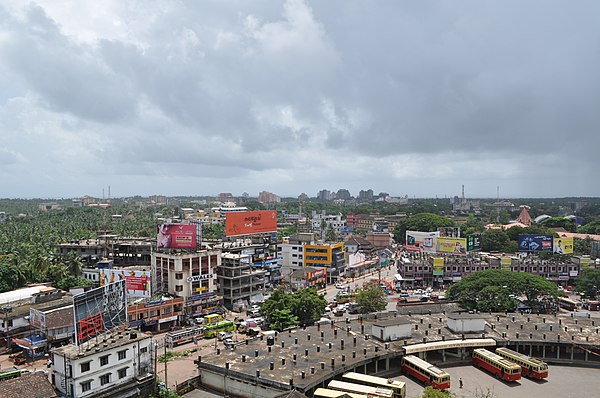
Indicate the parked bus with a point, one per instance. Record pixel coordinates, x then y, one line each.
183 336
360 389
500 367
211 331
567 303
530 367
398 387
327 393
426 372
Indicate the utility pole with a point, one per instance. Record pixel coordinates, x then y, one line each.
166 360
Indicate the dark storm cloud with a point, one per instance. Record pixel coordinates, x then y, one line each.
304 92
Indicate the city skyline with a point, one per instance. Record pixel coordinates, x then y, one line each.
189 99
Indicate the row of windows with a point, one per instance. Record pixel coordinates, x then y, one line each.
85 366
473 269
104 379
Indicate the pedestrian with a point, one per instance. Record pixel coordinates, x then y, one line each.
460 383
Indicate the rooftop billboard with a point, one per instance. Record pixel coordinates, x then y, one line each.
250 222
99 310
451 245
563 246
176 236
424 241
535 243
473 242
137 283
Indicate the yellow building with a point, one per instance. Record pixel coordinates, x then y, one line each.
330 256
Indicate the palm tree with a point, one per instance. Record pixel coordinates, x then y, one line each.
73 264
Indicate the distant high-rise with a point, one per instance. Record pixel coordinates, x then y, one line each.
343 194
268 197
365 195
324 194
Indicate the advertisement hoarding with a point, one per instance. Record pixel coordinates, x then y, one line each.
535 243
37 319
449 232
137 283
506 263
423 241
438 266
473 242
99 310
176 236
451 245
563 246
250 222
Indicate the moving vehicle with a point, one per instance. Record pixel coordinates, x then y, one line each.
360 389
425 372
211 331
398 387
340 286
183 336
567 303
530 367
497 365
11 373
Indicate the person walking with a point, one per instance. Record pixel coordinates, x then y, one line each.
460 383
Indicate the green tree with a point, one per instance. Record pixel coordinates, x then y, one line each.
282 319
370 298
425 222
582 246
491 290
496 240
588 282
330 235
561 222
307 305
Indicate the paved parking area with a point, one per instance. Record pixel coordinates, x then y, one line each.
564 382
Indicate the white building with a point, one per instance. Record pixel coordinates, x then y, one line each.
466 323
333 221
115 364
391 329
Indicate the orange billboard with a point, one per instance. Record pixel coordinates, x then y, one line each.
250 222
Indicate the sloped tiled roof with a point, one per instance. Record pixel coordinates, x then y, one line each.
35 385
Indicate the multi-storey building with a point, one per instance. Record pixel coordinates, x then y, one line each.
159 313
191 275
268 197
420 270
117 363
329 256
239 281
334 221
123 251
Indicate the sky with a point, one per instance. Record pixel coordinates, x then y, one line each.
200 97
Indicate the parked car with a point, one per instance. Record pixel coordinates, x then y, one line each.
404 295
228 342
224 336
340 286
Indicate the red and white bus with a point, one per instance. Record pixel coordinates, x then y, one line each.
426 372
530 367
494 363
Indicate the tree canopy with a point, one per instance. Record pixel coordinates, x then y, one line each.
588 282
370 298
426 222
303 307
496 290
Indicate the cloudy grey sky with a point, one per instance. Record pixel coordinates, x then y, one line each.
200 97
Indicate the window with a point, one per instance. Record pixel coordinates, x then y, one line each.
104 360
122 354
86 386
105 379
179 288
122 373
167 310
85 367
143 350
178 276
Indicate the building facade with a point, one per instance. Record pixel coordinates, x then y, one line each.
239 281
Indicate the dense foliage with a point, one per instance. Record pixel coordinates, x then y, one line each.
302 307
497 290
370 298
588 282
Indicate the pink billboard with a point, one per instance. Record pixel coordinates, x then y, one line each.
176 236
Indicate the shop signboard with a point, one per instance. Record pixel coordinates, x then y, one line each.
473 242
250 222
535 243
438 266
